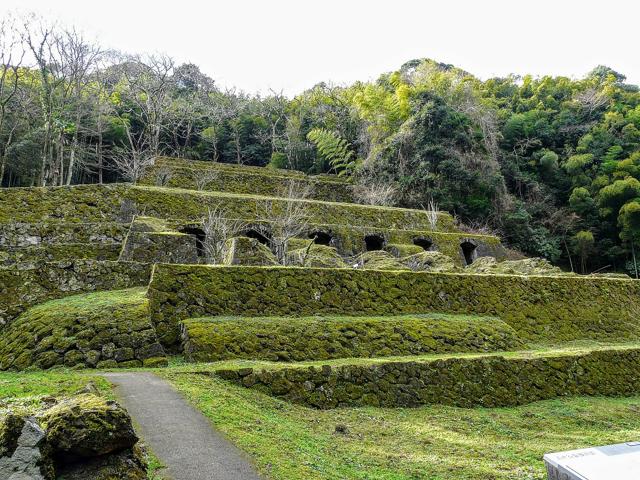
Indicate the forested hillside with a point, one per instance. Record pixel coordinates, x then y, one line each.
552 163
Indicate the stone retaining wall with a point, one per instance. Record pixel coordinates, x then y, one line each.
464 382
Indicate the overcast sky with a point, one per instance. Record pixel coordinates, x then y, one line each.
290 45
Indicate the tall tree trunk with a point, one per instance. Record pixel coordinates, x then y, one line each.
72 154
635 263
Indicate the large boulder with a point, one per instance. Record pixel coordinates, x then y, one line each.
86 426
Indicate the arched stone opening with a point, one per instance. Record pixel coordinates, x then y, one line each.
469 251
321 238
259 236
373 242
200 238
425 243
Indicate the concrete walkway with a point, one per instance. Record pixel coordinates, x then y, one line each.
180 436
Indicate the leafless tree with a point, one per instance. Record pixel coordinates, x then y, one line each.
203 178
371 191
218 229
130 161
147 85
287 218
592 100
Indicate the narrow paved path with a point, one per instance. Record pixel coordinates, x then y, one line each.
180 436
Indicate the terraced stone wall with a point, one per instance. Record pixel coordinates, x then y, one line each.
193 206
59 252
222 177
552 309
317 338
491 381
23 287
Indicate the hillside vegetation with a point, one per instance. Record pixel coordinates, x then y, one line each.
552 163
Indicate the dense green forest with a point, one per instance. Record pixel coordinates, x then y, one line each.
552 164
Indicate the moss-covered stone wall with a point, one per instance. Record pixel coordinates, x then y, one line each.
552 309
193 206
349 240
58 252
74 204
160 247
23 287
490 381
177 173
117 203
103 330
50 233
316 338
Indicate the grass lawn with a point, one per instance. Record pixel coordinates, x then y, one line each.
428 443
291 442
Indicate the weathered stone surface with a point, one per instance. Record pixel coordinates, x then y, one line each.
25 453
160 247
103 329
490 381
538 308
86 426
24 286
248 251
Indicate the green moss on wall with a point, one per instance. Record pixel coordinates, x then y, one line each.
58 252
248 251
555 309
159 247
193 206
97 329
26 286
490 381
245 180
59 232
74 204
321 338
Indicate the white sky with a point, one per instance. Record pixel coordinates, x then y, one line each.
290 45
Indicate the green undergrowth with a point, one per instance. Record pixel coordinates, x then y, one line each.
321 338
289 442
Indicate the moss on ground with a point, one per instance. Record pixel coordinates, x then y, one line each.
318 338
107 329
